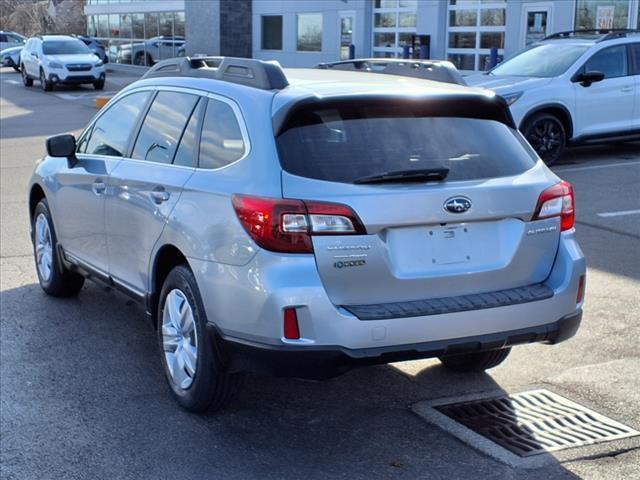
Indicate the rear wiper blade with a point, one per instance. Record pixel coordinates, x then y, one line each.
415 175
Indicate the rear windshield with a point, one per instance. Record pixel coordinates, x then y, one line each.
64 47
346 144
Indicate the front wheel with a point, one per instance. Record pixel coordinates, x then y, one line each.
44 83
195 372
54 279
546 135
476 361
27 81
98 85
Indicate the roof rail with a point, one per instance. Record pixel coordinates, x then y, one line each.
437 70
244 71
599 35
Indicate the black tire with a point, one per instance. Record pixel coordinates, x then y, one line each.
61 282
143 59
27 81
547 136
99 85
475 362
211 384
44 83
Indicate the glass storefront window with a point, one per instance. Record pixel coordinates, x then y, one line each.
592 14
463 18
137 25
150 25
103 26
271 32
114 25
178 25
309 32
125 25
166 24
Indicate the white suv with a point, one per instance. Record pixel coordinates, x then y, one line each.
60 59
572 88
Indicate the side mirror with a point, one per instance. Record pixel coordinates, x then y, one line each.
587 78
63 146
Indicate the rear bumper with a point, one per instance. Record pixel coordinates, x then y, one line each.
328 361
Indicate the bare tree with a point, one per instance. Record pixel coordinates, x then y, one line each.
30 17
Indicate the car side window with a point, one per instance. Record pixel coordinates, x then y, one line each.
3 38
611 61
163 126
221 141
187 153
112 131
634 49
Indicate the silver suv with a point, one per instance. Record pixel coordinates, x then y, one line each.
303 222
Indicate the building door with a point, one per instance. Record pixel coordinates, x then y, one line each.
346 30
536 22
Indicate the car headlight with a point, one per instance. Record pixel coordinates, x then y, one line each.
99 63
511 98
54 65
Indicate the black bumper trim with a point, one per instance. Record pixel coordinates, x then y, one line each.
461 303
319 362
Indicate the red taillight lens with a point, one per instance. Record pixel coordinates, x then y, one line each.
291 328
282 225
581 287
557 201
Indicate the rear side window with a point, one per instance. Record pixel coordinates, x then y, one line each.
187 154
111 132
352 142
611 61
163 126
221 142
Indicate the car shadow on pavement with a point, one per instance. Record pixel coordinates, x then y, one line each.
84 396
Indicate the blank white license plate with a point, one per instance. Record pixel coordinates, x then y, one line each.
451 244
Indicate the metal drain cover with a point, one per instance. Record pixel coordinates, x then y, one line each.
535 422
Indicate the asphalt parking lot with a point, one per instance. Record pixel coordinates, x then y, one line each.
82 394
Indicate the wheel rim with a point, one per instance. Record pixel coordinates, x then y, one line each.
179 339
545 137
44 247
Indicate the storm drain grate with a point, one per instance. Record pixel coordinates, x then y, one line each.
535 422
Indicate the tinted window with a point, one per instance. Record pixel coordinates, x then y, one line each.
611 61
187 153
64 47
3 38
272 32
112 131
345 143
163 126
221 142
634 48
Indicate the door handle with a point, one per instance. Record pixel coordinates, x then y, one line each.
159 195
99 187
626 89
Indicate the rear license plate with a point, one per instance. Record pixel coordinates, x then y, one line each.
450 244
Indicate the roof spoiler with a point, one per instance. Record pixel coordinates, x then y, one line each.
244 71
438 70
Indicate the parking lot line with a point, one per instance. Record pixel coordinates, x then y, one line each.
592 167
619 213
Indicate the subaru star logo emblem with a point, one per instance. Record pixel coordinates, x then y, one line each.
457 205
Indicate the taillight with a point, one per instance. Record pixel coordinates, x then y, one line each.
282 225
557 201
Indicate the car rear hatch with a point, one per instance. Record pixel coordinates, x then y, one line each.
446 201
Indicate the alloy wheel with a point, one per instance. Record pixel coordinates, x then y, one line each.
179 339
545 137
44 247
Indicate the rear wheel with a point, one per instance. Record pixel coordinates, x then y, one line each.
44 83
475 362
196 375
547 136
54 279
27 81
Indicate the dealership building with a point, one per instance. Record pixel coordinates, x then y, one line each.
306 32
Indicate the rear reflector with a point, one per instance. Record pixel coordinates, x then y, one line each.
581 286
283 225
557 201
291 329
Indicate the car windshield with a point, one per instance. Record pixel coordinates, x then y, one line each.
544 60
349 143
64 47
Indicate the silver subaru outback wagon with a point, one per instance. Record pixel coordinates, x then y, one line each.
304 222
